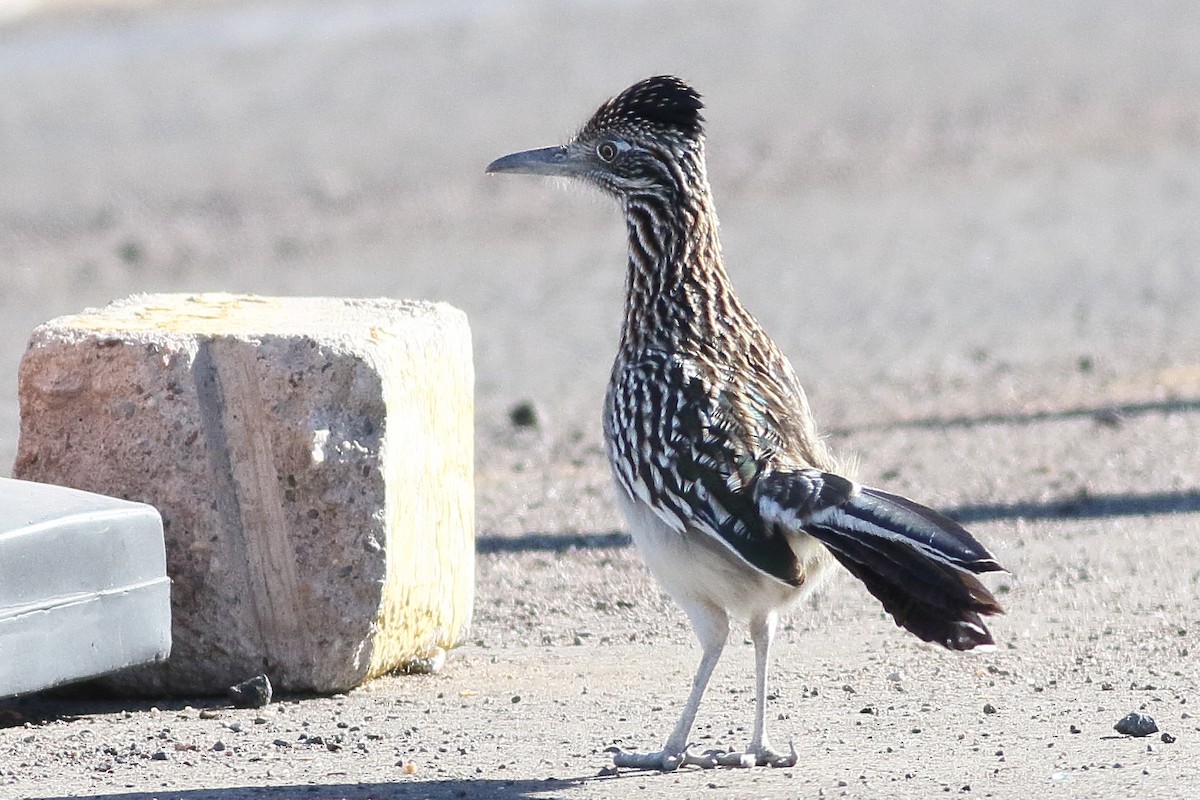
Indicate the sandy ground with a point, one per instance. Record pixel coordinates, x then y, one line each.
972 226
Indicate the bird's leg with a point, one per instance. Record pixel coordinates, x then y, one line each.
762 632
712 628
760 753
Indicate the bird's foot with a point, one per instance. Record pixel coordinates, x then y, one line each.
663 760
762 756
668 761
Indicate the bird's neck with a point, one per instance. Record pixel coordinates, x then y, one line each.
677 291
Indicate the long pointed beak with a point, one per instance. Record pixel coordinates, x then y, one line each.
544 161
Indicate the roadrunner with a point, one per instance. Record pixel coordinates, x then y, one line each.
729 492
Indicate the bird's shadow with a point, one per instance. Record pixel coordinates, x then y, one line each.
401 788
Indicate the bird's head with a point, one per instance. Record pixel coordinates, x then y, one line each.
649 139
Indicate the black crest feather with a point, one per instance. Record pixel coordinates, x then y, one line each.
662 104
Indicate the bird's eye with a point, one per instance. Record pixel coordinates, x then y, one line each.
607 151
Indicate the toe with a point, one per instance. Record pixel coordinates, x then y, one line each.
769 758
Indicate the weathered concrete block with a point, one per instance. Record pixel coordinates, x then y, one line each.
312 459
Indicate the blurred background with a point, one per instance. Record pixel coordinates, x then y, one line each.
936 208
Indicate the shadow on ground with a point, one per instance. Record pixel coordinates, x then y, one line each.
401 788
1082 507
1109 415
551 542
1075 507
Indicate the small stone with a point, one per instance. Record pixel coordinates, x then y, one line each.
208 713
252 693
427 664
1168 738
1136 724
516 698
160 755
1075 729
988 708
525 414
281 743
218 745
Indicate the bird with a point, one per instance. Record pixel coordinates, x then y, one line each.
729 491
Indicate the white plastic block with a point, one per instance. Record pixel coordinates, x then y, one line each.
312 459
83 586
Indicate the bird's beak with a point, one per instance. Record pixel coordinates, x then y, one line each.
558 161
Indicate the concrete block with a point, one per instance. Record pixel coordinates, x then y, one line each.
83 586
312 459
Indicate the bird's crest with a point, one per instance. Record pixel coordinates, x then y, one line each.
660 105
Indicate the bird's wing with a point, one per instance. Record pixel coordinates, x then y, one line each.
691 448
920 564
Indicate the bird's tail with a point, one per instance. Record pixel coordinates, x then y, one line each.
920 564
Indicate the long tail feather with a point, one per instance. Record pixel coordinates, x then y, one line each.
920 564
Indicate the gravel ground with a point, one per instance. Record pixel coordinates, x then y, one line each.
973 228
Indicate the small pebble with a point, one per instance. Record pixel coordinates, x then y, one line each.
988 708
252 693
1136 724
208 713
525 415
218 745
1168 739
428 664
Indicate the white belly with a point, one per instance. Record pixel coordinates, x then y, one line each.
696 569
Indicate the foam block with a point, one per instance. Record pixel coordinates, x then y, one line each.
312 459
83 586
